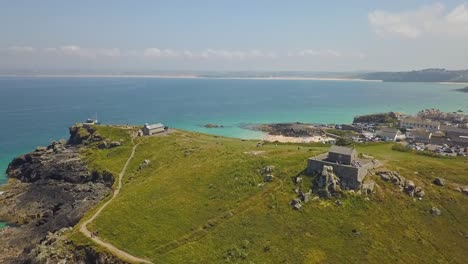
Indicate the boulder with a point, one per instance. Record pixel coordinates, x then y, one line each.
409 187
103 145
435 211
296 203
439 181
144 164
385 176
297 179
268 169
305 197
114 144
41 149
465 190
419 192
268 178
368 187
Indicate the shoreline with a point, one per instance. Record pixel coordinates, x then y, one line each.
454 83
186 77
285 139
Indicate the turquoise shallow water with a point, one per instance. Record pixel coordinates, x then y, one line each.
35 111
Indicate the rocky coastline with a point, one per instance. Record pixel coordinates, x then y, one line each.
49 190
288 129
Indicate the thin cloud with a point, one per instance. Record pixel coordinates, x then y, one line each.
224 54
154 53
331 53
433 20
20 49
77 51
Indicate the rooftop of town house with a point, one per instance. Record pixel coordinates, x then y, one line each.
413 119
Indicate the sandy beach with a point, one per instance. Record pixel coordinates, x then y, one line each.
284 139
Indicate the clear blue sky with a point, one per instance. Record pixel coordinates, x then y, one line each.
234 35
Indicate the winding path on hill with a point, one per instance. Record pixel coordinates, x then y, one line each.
114 250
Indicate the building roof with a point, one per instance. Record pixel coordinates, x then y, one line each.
389 130
438 134
419 121
341 150
154 126
421 133
454 129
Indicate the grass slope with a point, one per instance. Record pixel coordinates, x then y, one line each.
199 200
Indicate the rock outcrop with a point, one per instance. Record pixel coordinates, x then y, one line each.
49 189
327 183
407 186
56 248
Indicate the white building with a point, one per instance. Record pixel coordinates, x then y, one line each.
419 123
153 129
389 134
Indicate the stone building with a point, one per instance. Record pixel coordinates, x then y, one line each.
149 130
419 136
342 155
346 165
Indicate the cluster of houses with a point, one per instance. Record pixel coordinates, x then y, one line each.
430 129
458 118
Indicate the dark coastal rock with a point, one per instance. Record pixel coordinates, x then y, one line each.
56 248
289 129
210 125
49 189
83 134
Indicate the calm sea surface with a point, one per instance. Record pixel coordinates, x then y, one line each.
35 111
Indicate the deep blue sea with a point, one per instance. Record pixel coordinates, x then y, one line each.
37 110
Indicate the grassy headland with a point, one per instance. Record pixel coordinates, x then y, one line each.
202 199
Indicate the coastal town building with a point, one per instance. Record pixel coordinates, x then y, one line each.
419 123
345 162
419 136
149 130
457 136
389 134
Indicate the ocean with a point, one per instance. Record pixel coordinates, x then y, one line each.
36 110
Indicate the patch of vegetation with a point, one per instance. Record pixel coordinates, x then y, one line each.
399 147
344 142
203 199
341 133
380 118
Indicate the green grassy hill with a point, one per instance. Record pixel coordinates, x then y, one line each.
202 199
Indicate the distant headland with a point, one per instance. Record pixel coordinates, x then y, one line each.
425 75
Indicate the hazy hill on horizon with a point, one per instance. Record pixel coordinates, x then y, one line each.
426 75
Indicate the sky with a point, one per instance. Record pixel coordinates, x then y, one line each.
241 35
